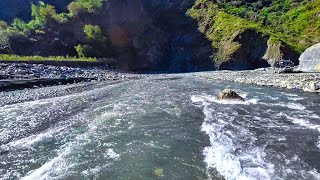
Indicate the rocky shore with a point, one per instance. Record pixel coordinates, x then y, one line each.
308 82
20 75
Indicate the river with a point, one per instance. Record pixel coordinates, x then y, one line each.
161 127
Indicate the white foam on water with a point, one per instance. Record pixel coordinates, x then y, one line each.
208 99
226 153
290 94
314 173
296 106
318 143
60 166
273 97
295 98
282 138
111 154
291 105
303 123
53 167
28 142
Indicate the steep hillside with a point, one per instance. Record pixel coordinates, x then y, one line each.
249 34
140 34
175 35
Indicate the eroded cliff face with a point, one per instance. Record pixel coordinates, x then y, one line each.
254 50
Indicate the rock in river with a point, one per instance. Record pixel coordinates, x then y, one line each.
310 59
229 94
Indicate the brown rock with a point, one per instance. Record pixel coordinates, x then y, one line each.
229 94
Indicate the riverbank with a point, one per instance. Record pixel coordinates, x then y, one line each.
15 76
308 82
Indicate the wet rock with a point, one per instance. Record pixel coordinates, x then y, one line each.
229 94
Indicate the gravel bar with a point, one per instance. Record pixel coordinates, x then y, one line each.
308 82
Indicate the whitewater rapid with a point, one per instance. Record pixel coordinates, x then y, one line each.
235 151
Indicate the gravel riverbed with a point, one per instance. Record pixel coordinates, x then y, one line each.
14 76
21 75
31 71
308 82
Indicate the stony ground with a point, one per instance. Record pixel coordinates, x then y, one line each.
17 75
14 76
31 71
309 82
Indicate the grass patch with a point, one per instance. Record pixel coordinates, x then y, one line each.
10 57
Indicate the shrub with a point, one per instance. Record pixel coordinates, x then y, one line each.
75 8
83 50
78 6
91 5
93 32
20 25
6 34
3 25
43 12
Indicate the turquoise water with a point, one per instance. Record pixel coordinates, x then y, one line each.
162 127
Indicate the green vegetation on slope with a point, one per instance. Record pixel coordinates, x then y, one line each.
296 23
78 6
44 14
220 27
97 44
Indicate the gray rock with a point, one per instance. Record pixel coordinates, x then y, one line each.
310 59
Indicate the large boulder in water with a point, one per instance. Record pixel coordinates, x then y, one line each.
229 94
310 59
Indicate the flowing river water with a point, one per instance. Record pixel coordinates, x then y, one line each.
161 127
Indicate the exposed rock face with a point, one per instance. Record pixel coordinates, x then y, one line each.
252 47
229 94
310 59
256 50
278 50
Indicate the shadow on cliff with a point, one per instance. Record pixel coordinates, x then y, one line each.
188 49
153 35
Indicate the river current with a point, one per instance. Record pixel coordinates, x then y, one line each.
161 127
